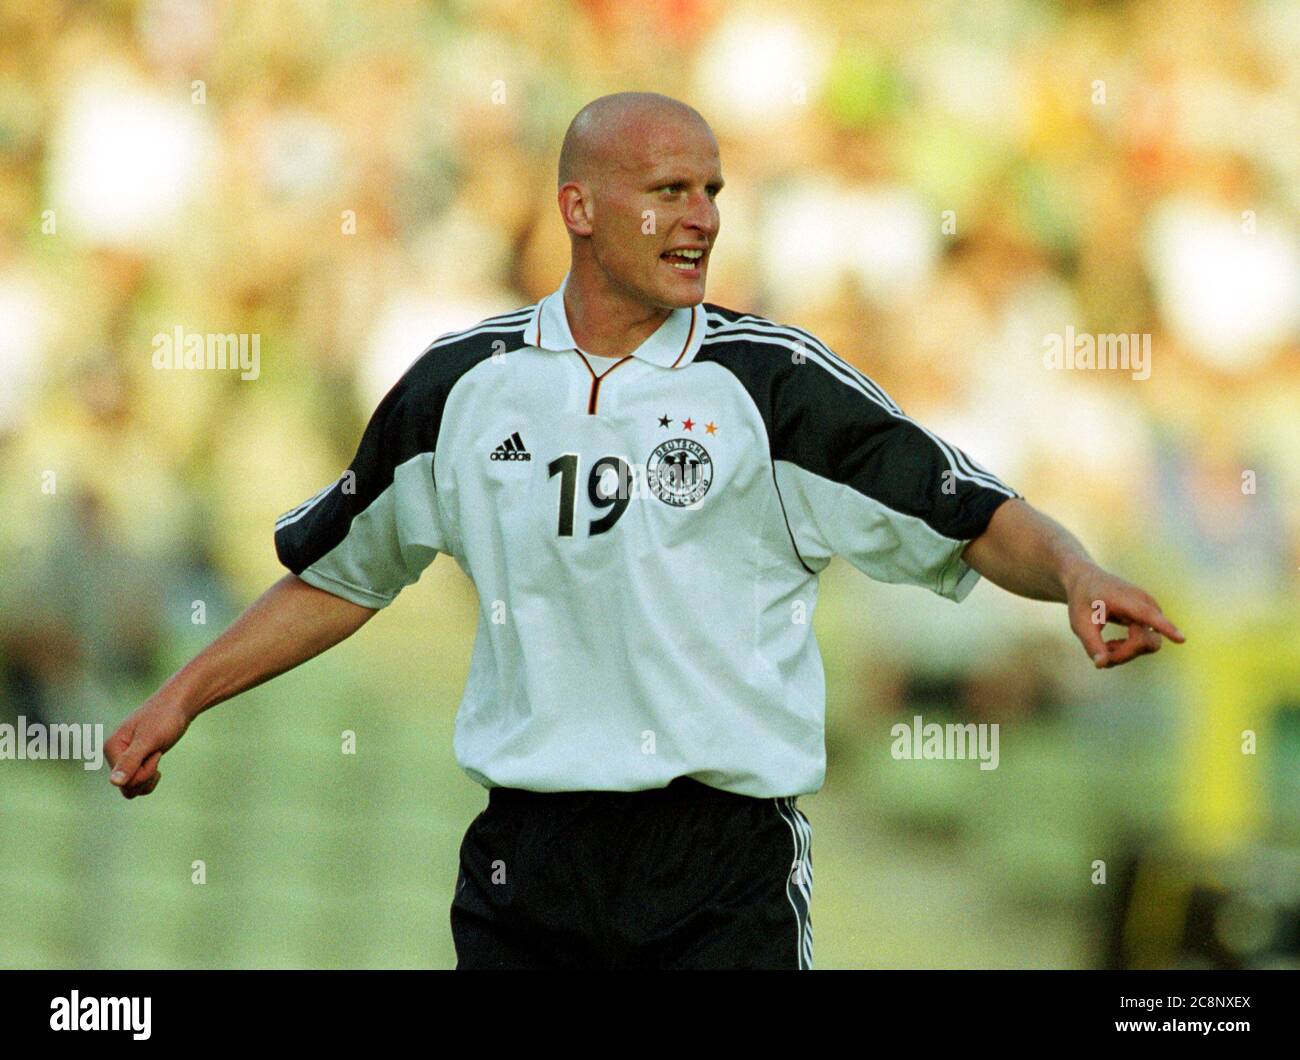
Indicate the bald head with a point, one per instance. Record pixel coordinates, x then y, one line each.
639 177
601 134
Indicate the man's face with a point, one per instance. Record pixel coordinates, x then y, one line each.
655 218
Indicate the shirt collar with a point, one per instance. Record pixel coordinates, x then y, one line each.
672 345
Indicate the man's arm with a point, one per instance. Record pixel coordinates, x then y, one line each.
287 625
1028 554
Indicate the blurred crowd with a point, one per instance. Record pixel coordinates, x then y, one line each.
932 189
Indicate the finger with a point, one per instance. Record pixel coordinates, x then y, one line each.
119 741
130 760
131 791
1139 641
148 769
1089 634
1151 615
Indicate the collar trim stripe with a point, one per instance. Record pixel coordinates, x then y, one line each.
687 344
550 331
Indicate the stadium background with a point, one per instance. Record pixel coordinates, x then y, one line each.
1112 167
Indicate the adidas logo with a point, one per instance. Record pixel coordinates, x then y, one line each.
512 449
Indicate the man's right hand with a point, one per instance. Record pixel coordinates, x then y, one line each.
287 625
134 750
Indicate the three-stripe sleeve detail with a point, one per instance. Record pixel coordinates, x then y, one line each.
756 329
405 425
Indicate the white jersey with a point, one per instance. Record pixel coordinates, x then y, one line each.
645 536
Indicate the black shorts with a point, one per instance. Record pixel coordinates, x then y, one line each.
686 876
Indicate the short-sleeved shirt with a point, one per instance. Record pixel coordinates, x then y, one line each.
645 535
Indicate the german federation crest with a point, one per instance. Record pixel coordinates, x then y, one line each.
679 472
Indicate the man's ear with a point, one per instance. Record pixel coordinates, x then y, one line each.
575 208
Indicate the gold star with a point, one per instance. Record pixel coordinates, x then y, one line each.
710 428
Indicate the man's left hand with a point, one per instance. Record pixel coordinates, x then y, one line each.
1096 597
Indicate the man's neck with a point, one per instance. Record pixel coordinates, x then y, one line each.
606 323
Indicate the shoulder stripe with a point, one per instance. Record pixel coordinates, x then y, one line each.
294 514
503 324
748 319
405 424
755 329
